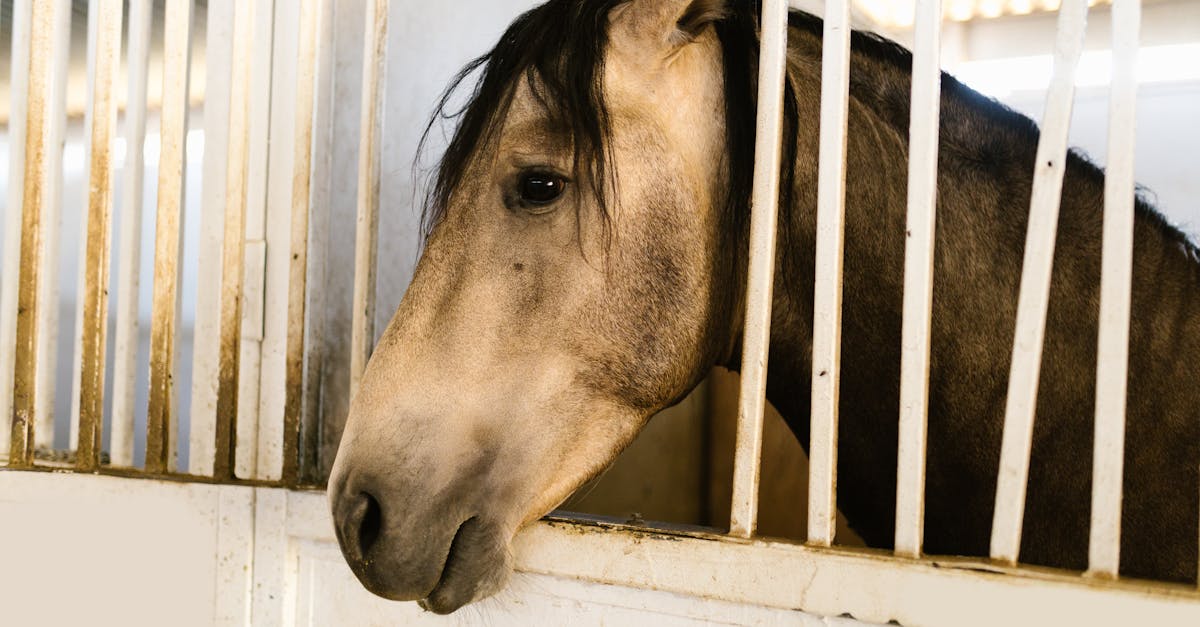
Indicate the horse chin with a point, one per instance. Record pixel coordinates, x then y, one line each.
478 565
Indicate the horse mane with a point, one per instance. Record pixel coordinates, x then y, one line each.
1009 127
558 47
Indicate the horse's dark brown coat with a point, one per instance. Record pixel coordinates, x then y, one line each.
985 173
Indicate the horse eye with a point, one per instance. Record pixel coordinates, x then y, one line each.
539 188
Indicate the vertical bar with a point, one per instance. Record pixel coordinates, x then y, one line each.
162 415
93 25
219 59
918 277
772 72
13 231
366 245
1035 286
298 270
233 253
129 254
263 78
43 24
827 287
51 225
271 400
311 427
107 49
1116 281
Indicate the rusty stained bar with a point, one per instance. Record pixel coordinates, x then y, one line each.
298 272
12 218
43 21
107 47
233 253
161 418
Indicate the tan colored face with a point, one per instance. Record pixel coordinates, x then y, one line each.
533 344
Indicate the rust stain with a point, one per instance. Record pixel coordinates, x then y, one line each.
99 228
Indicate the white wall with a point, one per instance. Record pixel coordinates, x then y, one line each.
1168 137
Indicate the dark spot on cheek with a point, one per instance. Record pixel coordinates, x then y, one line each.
519 267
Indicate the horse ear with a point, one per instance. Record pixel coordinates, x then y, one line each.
671 24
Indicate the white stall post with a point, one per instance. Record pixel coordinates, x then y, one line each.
827 286
772 72
233 246
918 277
297 271
218 53
1034 298
1116 281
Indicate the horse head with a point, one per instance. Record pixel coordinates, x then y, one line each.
577 277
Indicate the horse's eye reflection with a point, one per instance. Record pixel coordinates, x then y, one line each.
541 188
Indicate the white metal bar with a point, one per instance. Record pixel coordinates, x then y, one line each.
296 274
93 285
1116 281
772 72
129 251
162 414
366 241
286 83
48 309
918 277
219 60
262 79
1035 286
827 286
315 342
19 86
233 243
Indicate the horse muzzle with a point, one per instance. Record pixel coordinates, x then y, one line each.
443 557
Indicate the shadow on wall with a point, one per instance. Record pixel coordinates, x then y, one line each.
680 470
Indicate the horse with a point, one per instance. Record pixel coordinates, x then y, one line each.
584 267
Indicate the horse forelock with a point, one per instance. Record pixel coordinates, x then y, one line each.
558 50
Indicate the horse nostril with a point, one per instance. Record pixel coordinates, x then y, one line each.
372 521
